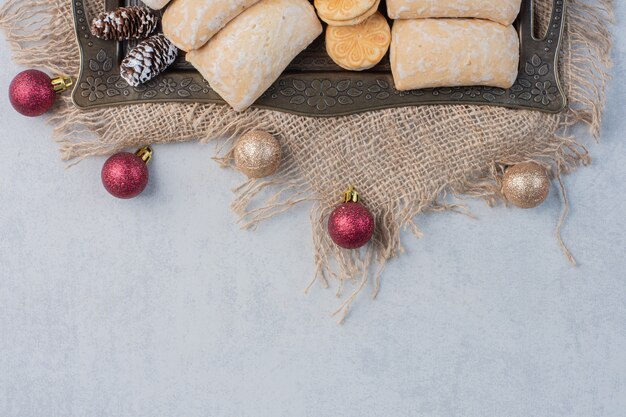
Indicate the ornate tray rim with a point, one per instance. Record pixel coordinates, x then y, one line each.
538 86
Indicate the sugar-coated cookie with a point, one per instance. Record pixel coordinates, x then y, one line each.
429 53
243 60
359 47
501 11
155 4
189 24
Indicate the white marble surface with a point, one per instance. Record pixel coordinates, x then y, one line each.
162 306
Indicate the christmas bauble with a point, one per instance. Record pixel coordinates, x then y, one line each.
257 154
351 225
526 185
125 175
31 93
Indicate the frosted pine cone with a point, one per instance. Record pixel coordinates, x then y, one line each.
148 59
124 23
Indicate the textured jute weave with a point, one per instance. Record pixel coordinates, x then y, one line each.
403 161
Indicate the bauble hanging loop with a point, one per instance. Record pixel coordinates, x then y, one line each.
351 225
526 185
33 92
257 154
125 175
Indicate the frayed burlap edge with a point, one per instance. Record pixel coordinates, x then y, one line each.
41 34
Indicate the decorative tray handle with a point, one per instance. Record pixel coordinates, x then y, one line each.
539 73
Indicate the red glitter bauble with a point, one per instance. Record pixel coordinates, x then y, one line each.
125 175
31 93
351 225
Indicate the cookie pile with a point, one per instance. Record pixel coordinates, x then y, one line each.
241 46
449 43
358 36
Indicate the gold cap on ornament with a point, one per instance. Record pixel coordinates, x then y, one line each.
61 83
145 153
351 195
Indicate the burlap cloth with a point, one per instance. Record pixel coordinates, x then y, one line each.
403 161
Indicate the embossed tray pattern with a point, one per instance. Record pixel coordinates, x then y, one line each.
313 85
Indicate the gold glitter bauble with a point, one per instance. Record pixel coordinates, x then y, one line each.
526 185
257 154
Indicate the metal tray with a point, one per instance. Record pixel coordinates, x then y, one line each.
313 85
